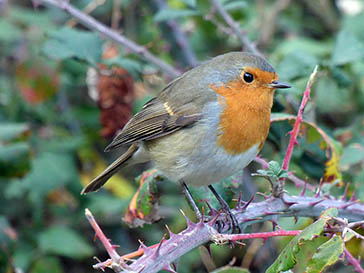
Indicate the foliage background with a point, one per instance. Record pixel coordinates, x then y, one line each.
53 127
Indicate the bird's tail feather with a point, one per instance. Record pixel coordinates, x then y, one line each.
102 178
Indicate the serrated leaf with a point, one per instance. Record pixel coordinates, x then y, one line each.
65 242
327 254
168 14
287 259
8 131
71 43
348 48
274 167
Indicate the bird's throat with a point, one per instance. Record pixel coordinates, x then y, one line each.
245 119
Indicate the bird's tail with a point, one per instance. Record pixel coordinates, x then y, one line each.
102 178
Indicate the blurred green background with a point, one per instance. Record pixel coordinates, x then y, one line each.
63 96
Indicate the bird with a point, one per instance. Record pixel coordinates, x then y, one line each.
204 126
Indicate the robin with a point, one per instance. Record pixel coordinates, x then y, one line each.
203 126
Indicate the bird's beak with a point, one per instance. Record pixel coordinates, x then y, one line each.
277 84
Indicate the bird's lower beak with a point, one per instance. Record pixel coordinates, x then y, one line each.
277 84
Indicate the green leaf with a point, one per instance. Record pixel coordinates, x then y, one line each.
9 154
231 269
328 97
49 171
353 154
46 265
190 3
9 32
71 43
296 64
8 131
14 159
134 67
287 259
65 242
347 49
327 254
168 14
234 5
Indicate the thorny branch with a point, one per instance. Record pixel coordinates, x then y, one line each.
162 255
93 24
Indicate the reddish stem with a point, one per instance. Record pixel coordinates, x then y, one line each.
299 119
104 240
354 262
263 235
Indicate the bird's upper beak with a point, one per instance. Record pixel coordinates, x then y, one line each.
277 84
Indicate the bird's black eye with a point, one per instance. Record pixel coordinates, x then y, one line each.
248 77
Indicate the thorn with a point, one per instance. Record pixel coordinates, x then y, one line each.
146 249
188 221
213 221
202 220
252 219
263 194
170 233
141 269
249 201
174 265
115 246
319 188
274 223
169 268
274 213
287 203
303 192
353 195
314 203
212 211
156 253
345 195
345 206
238 205
295 219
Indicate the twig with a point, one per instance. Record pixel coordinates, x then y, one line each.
268 20
299 119
235 27
93 24
262 235
354 262
180 37
116 259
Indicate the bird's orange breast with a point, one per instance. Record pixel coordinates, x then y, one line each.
245 119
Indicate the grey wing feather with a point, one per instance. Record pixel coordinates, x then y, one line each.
153 121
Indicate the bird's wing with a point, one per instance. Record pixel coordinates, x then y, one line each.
156 119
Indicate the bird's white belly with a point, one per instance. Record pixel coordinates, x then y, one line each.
192 155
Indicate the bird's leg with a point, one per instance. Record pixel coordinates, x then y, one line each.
187 192
225 207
